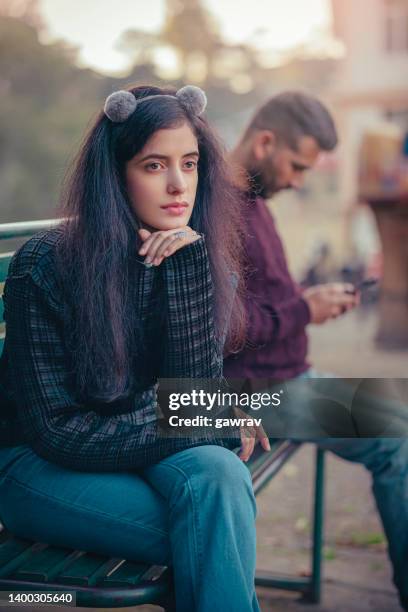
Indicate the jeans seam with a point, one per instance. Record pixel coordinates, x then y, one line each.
55 500
197 532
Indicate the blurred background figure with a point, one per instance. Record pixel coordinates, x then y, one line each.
319 266
383 185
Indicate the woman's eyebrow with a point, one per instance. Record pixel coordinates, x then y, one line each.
192 154
160 156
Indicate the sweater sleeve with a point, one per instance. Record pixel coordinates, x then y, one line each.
60 429
269 316
191 348
268 321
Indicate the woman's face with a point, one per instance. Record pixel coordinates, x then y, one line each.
161 180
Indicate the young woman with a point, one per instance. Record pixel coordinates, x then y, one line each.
133 285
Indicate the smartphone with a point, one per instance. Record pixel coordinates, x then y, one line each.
364 285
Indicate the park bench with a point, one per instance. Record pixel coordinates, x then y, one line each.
105 582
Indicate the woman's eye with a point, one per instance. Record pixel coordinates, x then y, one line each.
190 165
154 166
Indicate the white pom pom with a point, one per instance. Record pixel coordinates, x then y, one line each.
119 106
193 99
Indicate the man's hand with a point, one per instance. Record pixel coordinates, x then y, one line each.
158 245
330 301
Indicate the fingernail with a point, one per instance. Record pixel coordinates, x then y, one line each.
156 261
148 259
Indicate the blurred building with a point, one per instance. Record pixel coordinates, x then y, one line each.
370 96
371 82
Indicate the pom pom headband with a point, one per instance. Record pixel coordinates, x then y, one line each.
121 104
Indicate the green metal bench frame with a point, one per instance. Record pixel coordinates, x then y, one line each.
105 582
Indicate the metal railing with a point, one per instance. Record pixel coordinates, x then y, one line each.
25 228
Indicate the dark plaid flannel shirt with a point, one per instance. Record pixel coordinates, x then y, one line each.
37 405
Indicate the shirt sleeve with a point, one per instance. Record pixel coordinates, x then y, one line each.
63 431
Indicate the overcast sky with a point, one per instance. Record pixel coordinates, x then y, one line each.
96 25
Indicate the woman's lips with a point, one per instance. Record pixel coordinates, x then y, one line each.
175 209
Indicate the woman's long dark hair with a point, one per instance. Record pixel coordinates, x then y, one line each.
99 242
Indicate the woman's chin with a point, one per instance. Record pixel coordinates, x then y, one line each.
164 225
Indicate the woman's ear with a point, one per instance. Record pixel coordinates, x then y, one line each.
264 143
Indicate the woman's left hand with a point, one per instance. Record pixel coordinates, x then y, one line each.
158 245
250 435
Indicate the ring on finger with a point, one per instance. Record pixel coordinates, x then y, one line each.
181 234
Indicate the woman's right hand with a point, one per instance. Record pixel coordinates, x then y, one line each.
163 243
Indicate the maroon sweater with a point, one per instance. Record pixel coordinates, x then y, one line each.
277 314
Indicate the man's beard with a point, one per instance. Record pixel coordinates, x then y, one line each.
261 185
263 179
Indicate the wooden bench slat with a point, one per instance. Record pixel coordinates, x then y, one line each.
5 259
15 552
80 571
11 549
128 573
106 568
43 565
69 558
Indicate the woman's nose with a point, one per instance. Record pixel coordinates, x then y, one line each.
176 182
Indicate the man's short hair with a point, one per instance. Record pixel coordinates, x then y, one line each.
293 114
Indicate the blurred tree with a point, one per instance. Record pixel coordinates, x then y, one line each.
25 10
140 45
189 48
198 54
46 100
191 30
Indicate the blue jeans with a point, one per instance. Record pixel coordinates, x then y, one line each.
194 511
387 460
